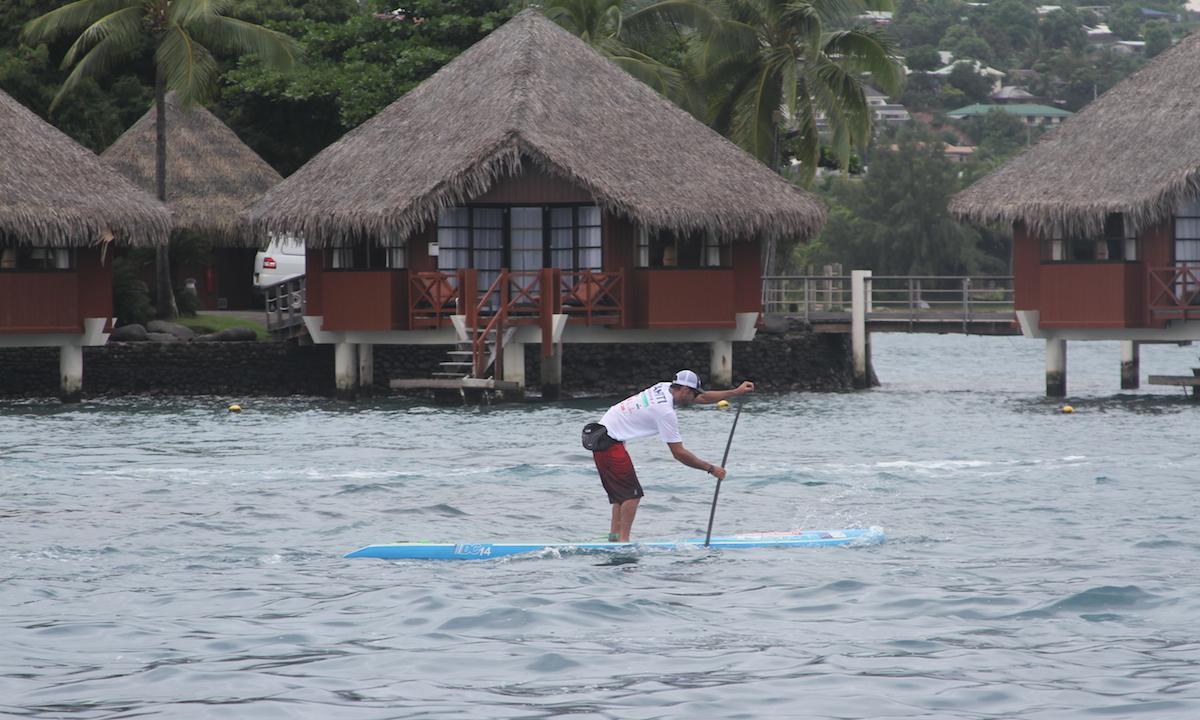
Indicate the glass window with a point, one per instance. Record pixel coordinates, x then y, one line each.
523 239
1187 233
526 232
1114 244
24 257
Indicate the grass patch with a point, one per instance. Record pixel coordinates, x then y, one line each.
202 323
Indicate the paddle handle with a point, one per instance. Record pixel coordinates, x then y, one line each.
712 513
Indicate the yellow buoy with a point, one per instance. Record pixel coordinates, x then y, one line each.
722 403
1068 409
235 408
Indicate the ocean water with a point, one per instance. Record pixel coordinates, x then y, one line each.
164 558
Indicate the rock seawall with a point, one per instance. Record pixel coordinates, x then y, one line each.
797 360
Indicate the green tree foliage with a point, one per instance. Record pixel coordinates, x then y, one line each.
355 68
923 59
766 61
976 88
896 222
1062 28
998 135
1158 37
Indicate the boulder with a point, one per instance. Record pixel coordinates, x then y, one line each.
162 326
128 333
162 337
774 324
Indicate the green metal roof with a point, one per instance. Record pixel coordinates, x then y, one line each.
1022 110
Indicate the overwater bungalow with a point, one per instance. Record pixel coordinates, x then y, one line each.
61 214
532 192
211 177
1105 212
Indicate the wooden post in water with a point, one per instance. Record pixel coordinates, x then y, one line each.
860 298
1056 367
1130 365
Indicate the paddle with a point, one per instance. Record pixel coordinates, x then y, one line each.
713 512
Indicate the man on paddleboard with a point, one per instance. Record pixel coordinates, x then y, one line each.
650 412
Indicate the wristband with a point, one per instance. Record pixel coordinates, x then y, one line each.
710 469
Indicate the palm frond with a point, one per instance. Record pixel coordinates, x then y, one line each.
103 56
189 67
122 29
866 51
70 19
274 49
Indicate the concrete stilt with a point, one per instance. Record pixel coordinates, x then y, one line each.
345 370
1056 367
1131 365
366 370
860 298
514 362
720 365
70 373
552 377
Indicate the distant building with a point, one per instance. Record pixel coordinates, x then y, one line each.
1012 95
885 111
1032 115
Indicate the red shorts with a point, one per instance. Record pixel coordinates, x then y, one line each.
617 474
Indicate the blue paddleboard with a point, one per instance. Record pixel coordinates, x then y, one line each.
479 551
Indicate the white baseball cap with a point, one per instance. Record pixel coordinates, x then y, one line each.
687 378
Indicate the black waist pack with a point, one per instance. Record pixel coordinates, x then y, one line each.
595 437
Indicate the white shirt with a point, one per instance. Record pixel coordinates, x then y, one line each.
650 412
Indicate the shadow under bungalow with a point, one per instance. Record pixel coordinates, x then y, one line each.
531 192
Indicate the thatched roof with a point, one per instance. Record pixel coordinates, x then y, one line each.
211 174
55 192
531 90
1134 150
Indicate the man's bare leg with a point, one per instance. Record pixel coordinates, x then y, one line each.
623 515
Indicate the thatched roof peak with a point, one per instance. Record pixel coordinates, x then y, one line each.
531 92
211 174
1135 150
55 192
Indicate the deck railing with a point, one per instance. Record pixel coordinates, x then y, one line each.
286 303
894 297
1174 293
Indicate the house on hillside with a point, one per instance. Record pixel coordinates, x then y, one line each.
211 177
1031 115
1105 211
62 213
532 192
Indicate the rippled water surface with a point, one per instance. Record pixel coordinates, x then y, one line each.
165 558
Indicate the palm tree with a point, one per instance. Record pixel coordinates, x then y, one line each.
599 23
767 63
181 33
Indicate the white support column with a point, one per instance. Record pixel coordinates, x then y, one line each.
514 363
860 299
345 369
1056 367
366 369
720 364
1131 365
70 373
